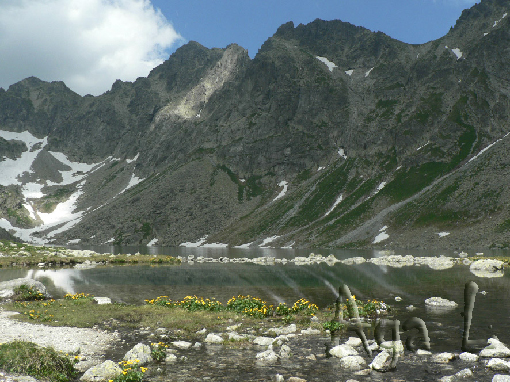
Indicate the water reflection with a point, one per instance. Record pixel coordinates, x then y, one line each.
287 283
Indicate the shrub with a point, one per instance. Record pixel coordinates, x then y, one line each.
27 293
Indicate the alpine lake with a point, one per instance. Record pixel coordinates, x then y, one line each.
211 273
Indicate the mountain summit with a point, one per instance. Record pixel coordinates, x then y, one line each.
332 136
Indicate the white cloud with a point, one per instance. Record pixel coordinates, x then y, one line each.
88 44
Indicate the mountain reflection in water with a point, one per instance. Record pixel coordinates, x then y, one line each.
287 283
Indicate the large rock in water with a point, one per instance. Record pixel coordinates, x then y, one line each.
104 372
140 352
487 268
7 287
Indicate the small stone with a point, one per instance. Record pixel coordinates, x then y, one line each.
410 308
311 357
202 331
443 357
390 345
498 364
468 357
353 362
285 351
382 362
182 344
341 351
501 378
171 358
310 331
263 341
278 378
213 339
268 356
398 298
423 352
102 300
353 341
438 302
296 379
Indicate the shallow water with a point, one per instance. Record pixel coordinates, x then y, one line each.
287 283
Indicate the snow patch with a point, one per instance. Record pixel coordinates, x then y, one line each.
320 168
380 187
247 245
134 159
283 184
341 152
368 72
74 241
381 236
78 170
443 234
337 202
485 34
328 63
487 148
498 21
457 52
194 245
419 148
152 242
349 72
268 240
132 182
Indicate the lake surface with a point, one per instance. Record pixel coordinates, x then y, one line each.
289 282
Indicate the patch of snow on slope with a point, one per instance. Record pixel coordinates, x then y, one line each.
320 168
337 202
282 193
457 52
152 242
487 148
11 169
382 236
268 240
194 245
78 170
63 212
368 72
133 182
380 187
134 159
419 148
349 72
341 152
443 234
498 21
328 63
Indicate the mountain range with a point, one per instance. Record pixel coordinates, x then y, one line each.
331 136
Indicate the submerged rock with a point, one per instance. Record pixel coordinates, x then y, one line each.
440 303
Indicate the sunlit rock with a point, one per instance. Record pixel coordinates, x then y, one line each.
487 268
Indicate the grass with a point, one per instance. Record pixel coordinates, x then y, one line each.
42 363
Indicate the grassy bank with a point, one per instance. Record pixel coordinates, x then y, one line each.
19 255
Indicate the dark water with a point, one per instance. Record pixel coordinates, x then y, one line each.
287 283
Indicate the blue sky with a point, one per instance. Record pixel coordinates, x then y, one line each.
220 22
89 44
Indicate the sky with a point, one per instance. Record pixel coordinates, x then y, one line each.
89 44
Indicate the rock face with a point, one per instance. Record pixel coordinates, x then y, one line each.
212 138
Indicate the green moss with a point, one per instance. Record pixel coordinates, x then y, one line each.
503 227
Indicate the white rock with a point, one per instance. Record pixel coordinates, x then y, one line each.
468 357
498 364
495 349
353 341
171 358
285 330
182 344
202 331
501 378
390 345
438 302
310 331
278 378
341 351
102 300
267 356
285 351
423 352
264 341
443 357
103 372
382 362
463 374
139 352
353 362
213 339
398 298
